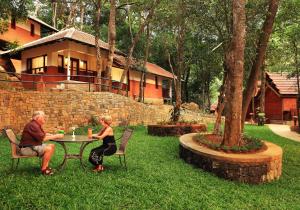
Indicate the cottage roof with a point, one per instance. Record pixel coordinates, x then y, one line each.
155 69
42 22
284 84
85 38
67 34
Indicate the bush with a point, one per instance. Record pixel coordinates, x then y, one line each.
94 121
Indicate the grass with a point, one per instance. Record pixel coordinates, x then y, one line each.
156 179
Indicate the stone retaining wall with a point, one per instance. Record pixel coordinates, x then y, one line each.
73 108
68 108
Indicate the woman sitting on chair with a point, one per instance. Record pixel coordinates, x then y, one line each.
107 148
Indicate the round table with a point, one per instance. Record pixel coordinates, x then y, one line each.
76 139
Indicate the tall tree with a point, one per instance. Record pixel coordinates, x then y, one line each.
54 13
98 5
144 69
135 40
181 28
111 40
13 9
260 55
262 90
235 63
72 14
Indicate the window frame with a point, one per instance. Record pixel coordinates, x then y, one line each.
13 23
61 69
29 68
32 29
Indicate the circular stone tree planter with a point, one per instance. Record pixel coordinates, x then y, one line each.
176 129
253 168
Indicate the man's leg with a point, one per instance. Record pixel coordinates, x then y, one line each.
48 152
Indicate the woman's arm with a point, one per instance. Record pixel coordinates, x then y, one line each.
107 132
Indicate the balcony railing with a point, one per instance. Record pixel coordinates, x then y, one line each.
46 81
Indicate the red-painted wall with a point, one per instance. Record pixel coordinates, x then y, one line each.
150 90
28 80
273 105
289 104
21 35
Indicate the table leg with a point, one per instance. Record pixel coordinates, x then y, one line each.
82 147
63 164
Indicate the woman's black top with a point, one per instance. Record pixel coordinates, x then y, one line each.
108 140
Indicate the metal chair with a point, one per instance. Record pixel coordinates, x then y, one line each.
122 149
14 146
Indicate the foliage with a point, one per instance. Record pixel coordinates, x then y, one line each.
249 145
156 179
17 9
285 38
94 121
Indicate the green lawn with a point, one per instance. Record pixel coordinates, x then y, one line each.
156 179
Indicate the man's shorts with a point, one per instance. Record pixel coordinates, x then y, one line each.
33 150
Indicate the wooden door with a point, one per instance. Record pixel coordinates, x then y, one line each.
74 69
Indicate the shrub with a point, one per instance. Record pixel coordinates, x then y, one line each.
94 121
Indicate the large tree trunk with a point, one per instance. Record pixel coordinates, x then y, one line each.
180 59
262 90
186 82
82 11
98 5
298 87
135 40
72 14
260 55
111 41
235 63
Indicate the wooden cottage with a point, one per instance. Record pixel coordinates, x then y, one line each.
20 33
280 98
68 58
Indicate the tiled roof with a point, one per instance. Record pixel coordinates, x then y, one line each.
82 37
41 22
286 85
71 34
151 67
155 69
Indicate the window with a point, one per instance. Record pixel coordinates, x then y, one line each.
37 65
32 29
13 23
29 66
83 67
156 82
60 63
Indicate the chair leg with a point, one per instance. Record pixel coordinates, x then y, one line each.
120 160
13 165
125 162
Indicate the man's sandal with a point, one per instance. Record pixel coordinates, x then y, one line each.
47 172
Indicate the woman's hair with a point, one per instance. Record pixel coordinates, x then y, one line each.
107 119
